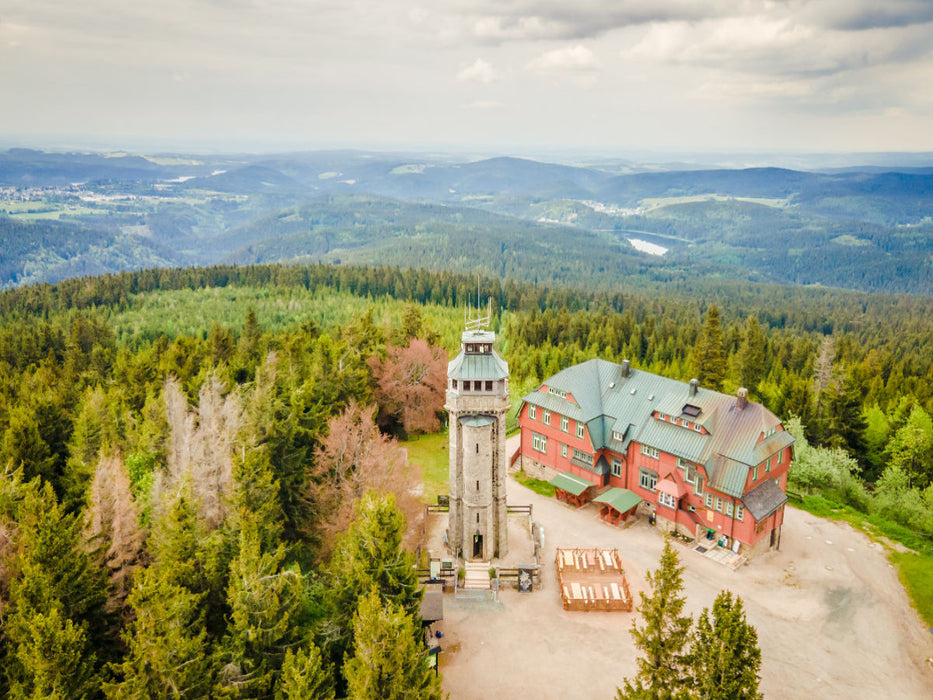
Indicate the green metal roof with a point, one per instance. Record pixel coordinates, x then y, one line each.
608 402
565 481
472 366
622 500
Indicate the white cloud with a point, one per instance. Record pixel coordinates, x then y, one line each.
572 59
484 104
479 72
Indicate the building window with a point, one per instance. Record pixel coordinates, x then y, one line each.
709 500
690 471
489 385
563 450
557 392
546 418
477 517
739 512
768 465
477 484
661 416
532 412
618 437
729 509
579 429
780 456
755 474
718 505
453 383
698 487
538 442
477 448
666 499
649 451
565 424
697 428
616 466
647 479
581 456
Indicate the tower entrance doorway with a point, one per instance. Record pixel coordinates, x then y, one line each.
477 546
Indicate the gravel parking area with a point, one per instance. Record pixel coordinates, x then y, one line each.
832 617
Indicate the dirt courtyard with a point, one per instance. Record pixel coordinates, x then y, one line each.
833 620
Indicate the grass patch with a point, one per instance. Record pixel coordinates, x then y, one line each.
915 568
429 452
542 488
916 573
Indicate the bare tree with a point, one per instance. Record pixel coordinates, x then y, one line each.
354 458
410 384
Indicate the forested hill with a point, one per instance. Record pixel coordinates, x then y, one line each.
185 453
610 226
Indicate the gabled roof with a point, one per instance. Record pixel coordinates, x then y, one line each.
622 500
608 402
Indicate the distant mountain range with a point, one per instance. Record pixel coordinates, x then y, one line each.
863 228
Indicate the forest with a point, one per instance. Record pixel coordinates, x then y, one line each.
202 493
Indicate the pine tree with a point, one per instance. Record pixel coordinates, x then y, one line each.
304 675
726 657
709 355
664 670
389 660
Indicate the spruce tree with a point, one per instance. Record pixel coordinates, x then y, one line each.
752 355
709 354
664 668
304 675
726 657
389 658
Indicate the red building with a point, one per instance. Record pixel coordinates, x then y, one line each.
706 463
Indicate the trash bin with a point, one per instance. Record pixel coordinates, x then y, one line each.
652 519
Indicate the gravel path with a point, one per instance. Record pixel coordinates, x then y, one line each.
832 617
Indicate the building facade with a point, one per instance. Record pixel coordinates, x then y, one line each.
477 403
708 464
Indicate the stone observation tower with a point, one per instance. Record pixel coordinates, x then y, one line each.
477 401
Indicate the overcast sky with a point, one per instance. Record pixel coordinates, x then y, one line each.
804 75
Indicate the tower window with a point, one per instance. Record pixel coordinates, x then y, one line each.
489 385
477 517
454 383
477 448
477 484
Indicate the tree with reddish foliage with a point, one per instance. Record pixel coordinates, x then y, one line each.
354 458
410 384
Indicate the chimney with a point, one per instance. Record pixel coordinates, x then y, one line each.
626 366
694 386
742 401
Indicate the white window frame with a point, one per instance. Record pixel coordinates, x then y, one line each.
768 466
649 451
718 504
648 479
698 487
666 499
563 450
697 428
579 429
739 512
755 474
565 424
780 457
729 507
532 411
616 466
539 442
546 417
709 501
582 456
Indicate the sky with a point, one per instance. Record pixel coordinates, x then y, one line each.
767 75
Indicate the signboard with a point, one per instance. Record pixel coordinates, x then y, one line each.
525 579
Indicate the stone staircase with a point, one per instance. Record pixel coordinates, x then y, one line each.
477 576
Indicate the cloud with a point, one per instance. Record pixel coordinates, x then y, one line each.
478 72
484 104
570 60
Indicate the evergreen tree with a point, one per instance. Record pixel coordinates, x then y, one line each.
911 448
752 355
664 670
369 557
304 675
726 657
390 659
709 359
265 600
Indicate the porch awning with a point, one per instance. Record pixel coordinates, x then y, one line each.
565 481
671 487
621 500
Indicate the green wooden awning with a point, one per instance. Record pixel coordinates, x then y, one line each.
621 500
565 481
